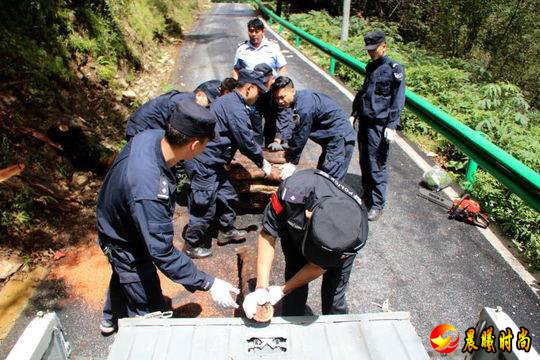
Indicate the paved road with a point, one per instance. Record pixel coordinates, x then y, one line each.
439 270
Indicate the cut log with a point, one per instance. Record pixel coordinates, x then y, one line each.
275 157
264 313
247 270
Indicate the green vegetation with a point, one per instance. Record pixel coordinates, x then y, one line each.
498 109
65 62
497 37
40 39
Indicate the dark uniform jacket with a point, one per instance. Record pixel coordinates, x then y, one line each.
317 117
155 113
235 133
284 216
265 106
134 216
382 96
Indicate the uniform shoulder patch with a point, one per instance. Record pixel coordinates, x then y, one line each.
163 193
242 43
397 70
292 197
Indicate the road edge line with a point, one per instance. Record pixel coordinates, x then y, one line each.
488 234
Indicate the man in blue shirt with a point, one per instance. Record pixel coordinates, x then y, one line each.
317 117
211 188
377 108
134 218
258 49
155 113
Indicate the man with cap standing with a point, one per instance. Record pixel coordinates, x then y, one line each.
211 188
258 49
322 224
155 113
268 122
134 218
315 116
376 109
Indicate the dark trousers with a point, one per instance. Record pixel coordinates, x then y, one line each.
257 124
333 289
336 157
211 196
130 299
373 150
264 128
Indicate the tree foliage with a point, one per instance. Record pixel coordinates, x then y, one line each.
500 37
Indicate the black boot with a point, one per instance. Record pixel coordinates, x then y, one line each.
232 235
197 252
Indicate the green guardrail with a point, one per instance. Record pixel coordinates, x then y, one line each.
511 172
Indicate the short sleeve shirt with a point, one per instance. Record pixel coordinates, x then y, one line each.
268 52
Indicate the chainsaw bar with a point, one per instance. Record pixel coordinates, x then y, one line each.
435 198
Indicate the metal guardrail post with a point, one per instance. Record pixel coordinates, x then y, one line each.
512 173
280 28
472 167
332 65
470 176
270 21
296 41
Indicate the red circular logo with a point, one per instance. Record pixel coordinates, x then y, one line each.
444 338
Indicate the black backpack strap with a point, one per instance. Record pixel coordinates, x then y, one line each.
341 187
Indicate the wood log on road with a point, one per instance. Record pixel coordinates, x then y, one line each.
247 270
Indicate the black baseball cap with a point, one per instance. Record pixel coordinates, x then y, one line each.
337 229
211 88
265 69
246 76
193 120
373 39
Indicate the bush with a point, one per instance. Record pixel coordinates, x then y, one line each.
499 110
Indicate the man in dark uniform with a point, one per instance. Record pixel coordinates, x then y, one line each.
322 224
268 122
377 108
211 188
134 218
155 113
317 117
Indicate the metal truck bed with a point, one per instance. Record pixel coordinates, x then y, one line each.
354 336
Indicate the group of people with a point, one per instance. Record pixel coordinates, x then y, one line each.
320 221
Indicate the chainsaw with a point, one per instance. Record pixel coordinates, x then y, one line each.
462 209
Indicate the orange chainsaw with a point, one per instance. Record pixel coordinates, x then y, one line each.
462 209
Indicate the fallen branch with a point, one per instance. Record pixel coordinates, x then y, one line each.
11 171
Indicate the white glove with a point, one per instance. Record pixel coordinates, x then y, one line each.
258 297
267 167
275 293
275 147
221 294
287 170
390 135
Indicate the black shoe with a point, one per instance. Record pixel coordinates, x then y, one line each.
107 327
226 237
374 214
197 252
